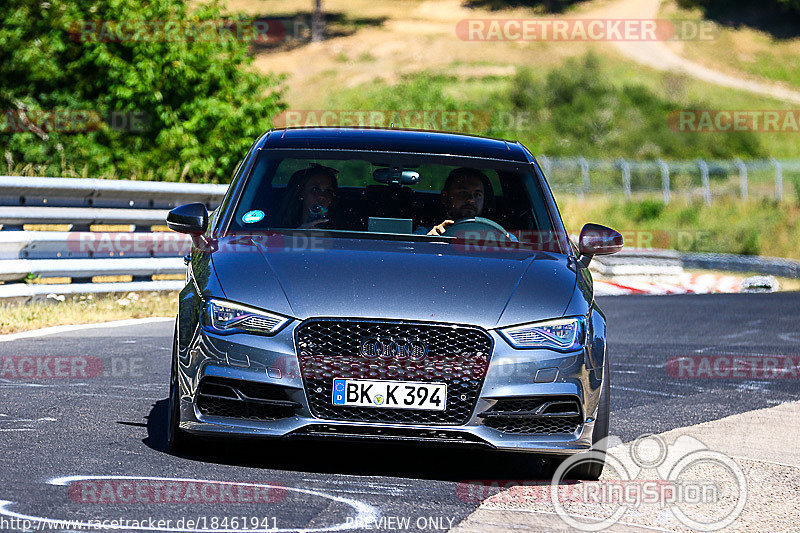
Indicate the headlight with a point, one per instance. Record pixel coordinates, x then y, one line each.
224 317
563 334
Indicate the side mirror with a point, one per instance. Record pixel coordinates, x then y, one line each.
189 218
598 240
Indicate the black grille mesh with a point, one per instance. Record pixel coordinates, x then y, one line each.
535 426
456 355
216 396
506 416
212 406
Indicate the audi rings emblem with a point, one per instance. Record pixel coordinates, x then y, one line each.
373 347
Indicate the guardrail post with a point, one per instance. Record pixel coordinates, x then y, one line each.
585 185
742 177
546 164
704 178
626 177
664 179
778 179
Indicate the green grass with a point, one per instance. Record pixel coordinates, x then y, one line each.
85 309
732 226
585 107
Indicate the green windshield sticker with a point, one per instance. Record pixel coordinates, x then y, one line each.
252 216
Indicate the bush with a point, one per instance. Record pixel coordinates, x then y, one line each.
644 210
573 110
796 187
589 115
202 105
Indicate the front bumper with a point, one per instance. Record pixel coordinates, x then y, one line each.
272 361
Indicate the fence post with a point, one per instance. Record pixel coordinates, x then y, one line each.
664 179
585 185
742 177
547 165
626 177
778 179
704 178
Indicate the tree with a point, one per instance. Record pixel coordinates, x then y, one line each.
178 83
792 6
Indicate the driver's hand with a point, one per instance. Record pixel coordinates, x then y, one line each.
313 223
441 228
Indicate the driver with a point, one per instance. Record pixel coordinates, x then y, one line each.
464 195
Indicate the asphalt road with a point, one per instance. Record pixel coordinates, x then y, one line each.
113 424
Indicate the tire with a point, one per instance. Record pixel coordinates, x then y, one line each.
591 468
178 441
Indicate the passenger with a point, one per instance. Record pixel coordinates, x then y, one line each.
310 199
466 192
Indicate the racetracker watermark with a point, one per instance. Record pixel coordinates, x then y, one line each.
69 367
150 523
734 367
639 240
741 120
427 119
644 240
311 240
259 31
71 120
150 491
458 120
111 243
600 29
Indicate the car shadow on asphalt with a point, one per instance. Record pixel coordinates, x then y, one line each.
373 458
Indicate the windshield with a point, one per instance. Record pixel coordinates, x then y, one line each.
391 196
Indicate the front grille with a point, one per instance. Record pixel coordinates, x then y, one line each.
548 415
249 400
456 355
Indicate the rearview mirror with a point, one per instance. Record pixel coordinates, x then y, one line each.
189 218
598 240
395 176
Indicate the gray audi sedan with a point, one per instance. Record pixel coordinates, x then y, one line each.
393 285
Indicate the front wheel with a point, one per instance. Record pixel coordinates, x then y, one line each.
178 441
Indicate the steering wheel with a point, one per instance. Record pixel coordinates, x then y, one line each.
479 225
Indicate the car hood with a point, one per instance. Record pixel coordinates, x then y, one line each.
370 278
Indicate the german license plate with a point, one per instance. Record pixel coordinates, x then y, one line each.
390 394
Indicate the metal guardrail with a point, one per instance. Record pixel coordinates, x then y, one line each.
87 244
95 192
81 254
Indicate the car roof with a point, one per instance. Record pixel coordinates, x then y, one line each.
394 140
